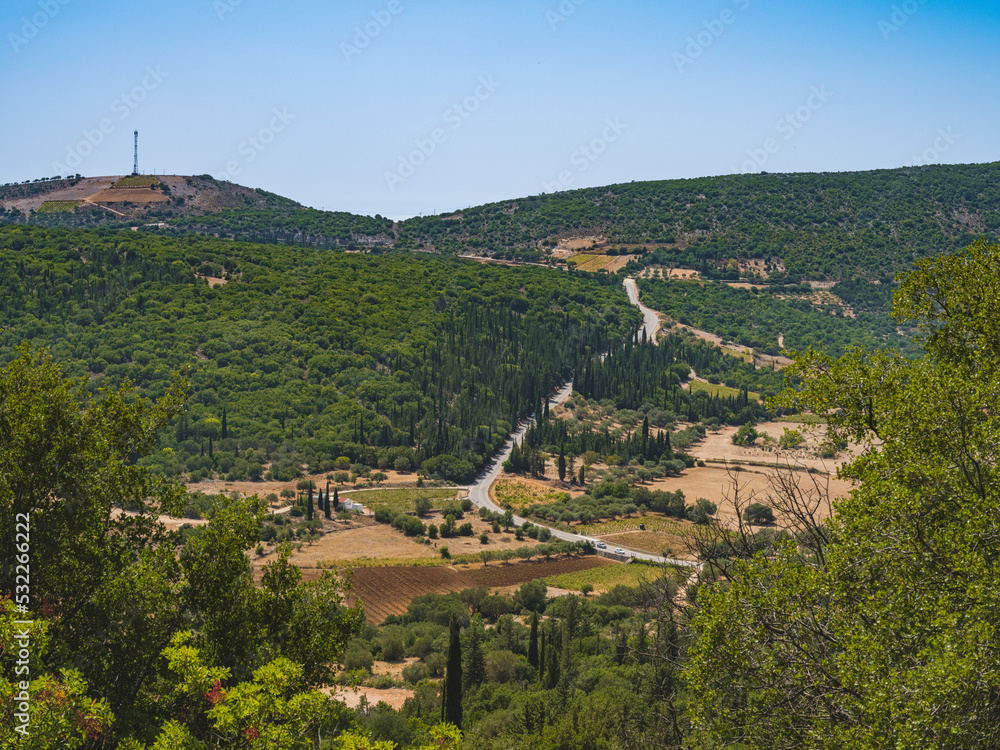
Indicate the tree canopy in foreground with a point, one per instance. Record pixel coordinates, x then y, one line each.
887 635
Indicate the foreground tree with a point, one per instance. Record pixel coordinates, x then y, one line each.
881 627
112 584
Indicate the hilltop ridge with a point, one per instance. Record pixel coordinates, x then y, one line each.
767 226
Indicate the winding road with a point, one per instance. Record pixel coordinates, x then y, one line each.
650 318
479 492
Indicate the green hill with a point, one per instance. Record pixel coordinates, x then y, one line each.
831 225
814 225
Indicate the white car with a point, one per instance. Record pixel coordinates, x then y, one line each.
619 551
601 545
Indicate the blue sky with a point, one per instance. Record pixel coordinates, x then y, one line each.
405 107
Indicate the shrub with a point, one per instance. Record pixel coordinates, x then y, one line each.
415 673
759 514
531 596
408 525
702 511
746 435
791 439
445 553
436 663
484 538
358 656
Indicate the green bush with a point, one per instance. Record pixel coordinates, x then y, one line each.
415 673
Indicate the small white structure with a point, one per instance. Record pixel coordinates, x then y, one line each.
352 507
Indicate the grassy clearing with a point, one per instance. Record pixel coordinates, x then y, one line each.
509 491
606 576
592 262
399 500
55 207
652 523
720 390
140 181
654 542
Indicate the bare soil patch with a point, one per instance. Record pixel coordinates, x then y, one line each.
395 697
360 539
213 281
132 195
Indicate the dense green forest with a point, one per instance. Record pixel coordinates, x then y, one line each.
304 226
831 225
757 317
304 356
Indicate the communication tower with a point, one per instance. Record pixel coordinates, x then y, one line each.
135 163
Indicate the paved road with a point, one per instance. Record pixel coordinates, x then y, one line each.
479 492
651 320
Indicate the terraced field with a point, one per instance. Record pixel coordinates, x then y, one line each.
388 591
54 207
498 576
140 181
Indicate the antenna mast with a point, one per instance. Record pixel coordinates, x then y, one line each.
135 165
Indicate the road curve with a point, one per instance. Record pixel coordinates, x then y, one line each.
651 319
479 492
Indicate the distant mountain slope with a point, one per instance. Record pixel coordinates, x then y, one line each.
787 226
814 224
198 204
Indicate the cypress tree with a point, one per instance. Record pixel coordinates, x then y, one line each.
225 431
541 656
326 503
562 463
309 503
553 657
533 641
474 666
453 676
336 499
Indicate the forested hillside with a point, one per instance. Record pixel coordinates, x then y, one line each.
831 224
302 356
760 318
869 225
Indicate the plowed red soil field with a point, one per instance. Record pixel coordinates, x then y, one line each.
388 591
499 575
